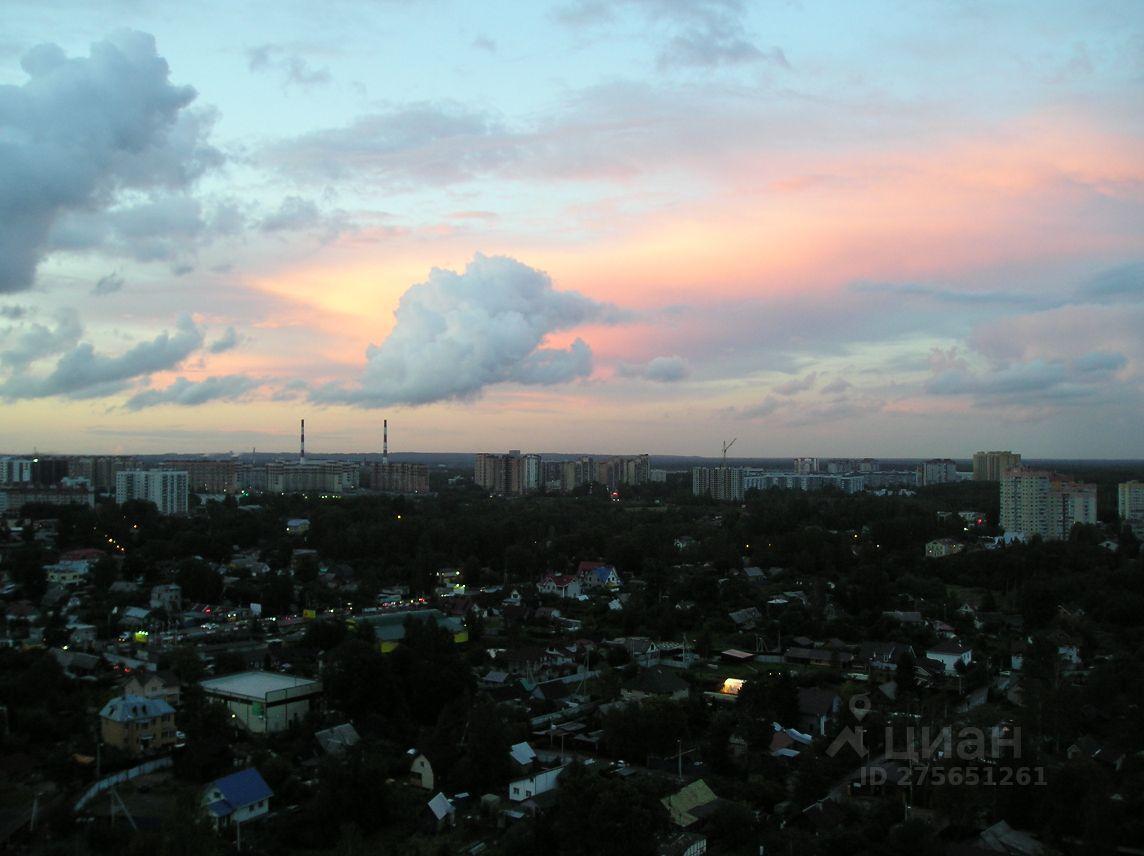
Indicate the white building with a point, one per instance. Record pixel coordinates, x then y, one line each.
15 470
264 702
937 471
1039 502
167 489
530 475
237 798
540 783
950 652
1130 501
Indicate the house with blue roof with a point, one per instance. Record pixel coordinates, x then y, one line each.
237 798
596 575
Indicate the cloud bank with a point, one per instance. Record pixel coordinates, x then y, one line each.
187 393
82 372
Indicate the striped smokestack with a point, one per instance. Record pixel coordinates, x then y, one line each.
385 441
302 449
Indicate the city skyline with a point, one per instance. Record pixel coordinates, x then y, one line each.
643 226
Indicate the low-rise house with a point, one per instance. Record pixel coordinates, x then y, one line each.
134 617
420 770
138 725
523 757
596 575
656 682
67 573
337 739
441 813
237 798
940 548
167 598
559 585
533 785
951 652
746 619
161 685
817 707
818 657
690 804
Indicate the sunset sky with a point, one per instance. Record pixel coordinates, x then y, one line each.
893 229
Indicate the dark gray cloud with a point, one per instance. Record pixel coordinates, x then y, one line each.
81 130
228 341
163 228
960 297
666 369
1034 376
24 343
458 333
1116 285
797 385
764 408
187 393
692 33
82 372
837 386
291 65
108 284
437 143
297 214
13 312
293 214
1100 362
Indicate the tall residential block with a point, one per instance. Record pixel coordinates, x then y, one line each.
989 466
937 471
1130 501
168 489
1039 502
208 476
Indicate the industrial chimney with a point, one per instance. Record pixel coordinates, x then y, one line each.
302 450
385 441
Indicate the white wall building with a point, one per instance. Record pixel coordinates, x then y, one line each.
264 702
15 470
1039 502
168 489
528 787
1130 500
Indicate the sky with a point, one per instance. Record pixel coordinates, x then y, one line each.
895 228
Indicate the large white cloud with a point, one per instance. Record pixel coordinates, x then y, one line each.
82 130
458 333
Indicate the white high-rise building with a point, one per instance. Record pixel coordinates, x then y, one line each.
988 466
1130 501
937 471
15 470
1039 502
168 489
531 473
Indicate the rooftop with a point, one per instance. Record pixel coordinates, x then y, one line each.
256 684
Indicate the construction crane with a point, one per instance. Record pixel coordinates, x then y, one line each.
727 446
